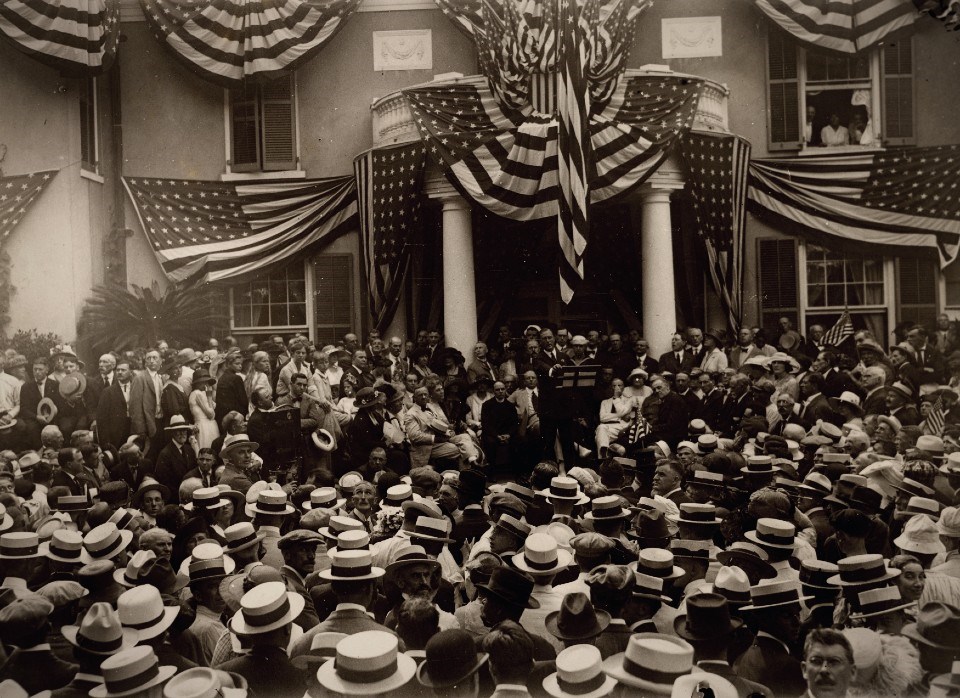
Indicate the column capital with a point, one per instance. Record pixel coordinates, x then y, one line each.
438 188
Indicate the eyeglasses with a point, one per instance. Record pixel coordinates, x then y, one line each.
830 662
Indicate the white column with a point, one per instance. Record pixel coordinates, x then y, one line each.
459 289
658 284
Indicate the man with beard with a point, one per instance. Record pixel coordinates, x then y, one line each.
505 597
299 549
416 575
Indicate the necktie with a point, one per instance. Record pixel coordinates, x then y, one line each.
536 401
679 357
106 381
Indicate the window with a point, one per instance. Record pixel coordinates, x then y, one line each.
840 280
777 282
871 93
333 297
275 301
89 142
263 126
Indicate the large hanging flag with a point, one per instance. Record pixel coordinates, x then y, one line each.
717 168
389 186
846 26
899 197
78 38
212 231
229 41
17 194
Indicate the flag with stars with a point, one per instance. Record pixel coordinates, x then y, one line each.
899 197
228 41
389 185
212 231
78 38
717 166
17 194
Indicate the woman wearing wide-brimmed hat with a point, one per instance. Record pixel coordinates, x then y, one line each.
784 369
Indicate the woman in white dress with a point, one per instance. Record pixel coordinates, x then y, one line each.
202 406
615 414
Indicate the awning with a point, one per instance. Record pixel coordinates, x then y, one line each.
77 37
213 231
901 198
229 41
846 26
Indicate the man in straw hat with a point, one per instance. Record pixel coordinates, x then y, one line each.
949 527
542 559
207 568
133 673
98 635
367 663
651 663
265 621
177 458
237 454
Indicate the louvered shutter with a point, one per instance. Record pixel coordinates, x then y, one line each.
278 128
244 129
917 290
333 297
777 282
783 93
898 117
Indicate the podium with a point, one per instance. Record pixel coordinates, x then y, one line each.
571 377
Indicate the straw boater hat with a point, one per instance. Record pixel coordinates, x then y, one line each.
694 514
579 674
566 489
207 562
429 528
351 540
657 563
104 542
397 495
877 602
816 575
930 508
339 524
652 662
323 646
774 593
203 682
64 546
323 440
607 508
178 423
265 608
541 556
773 533
946 684
861 570
324 498
205 499
272 502
142 609
648 587
100 631
351 566
241 536
73 386
367 663
131 672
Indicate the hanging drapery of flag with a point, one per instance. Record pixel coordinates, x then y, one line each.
78 38
17 194
717 168
947 11
846 26
212 231
229 41
389 185
840 332
900 197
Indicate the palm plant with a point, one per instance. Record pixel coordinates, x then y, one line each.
114 318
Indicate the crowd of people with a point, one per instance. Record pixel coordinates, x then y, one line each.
559 515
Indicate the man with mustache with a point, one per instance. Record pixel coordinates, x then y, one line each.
828 664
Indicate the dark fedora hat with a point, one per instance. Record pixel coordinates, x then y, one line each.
747 557
451 656
938 625
866 500
472 484
707 618
650 529
510 586
577 619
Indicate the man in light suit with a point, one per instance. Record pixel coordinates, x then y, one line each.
144 404
429 438
113 417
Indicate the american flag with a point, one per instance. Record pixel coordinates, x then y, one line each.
212 231
847 26
842 330
936 419
574 158
908 197
717 167
228 41
389 182
78 38
17 194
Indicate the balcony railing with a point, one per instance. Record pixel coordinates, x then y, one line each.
393 122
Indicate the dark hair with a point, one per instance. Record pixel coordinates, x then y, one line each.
65 455
852 522
204 451
510 649
830 638
417 621
543 473
42 472
816 381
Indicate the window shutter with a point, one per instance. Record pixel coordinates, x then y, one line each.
244 127
783 98
777 282
898 118
277 117
332 297
917 290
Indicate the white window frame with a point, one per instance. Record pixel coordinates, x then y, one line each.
229 175
888 305
279 329
86 172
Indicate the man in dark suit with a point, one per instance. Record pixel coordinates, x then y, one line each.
638 358
499 423
737 404
712 399
769 659
25 624
32 392
72 473
672 417
113 418
176 458
668 482
131 468
676 360
98 384
836 381
231 395
815 404
559 407
471 521
929 359
360 370
872 382
695 347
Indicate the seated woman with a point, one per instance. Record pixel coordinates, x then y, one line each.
615 414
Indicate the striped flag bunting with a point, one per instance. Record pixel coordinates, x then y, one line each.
947 11
389 185
900 197
229 41
846 26
717 168
17 194
78 38
840 332
213 231
573 143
